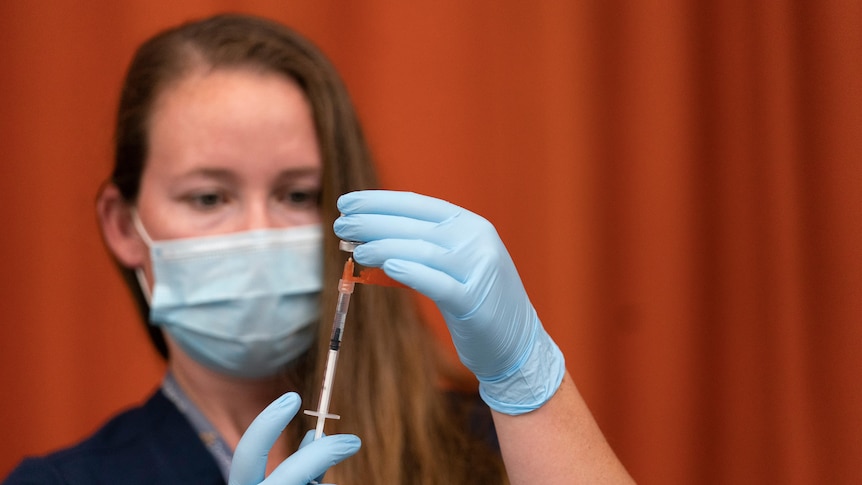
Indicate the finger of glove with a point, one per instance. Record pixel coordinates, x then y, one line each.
307 440
406 204
459 280
375 253
483 344
311 461
449 294
371 227
248 466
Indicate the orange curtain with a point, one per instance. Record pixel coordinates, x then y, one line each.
678 182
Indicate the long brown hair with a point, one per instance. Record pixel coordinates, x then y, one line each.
387 377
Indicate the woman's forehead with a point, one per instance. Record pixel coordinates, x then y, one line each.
233 116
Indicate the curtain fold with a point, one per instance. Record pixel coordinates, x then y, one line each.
678 182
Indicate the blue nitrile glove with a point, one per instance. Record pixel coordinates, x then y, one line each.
456 258
308 463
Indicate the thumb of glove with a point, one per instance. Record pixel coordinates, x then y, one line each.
312 460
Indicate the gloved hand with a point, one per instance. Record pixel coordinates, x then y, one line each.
456 258
309 463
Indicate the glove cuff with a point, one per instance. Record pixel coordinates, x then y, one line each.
532 384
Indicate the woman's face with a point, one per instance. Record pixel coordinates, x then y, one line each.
230 150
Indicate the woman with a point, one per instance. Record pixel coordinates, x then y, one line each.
235 141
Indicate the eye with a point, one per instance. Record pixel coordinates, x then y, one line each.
300 198
207 200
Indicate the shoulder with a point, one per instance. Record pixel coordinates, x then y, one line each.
152 443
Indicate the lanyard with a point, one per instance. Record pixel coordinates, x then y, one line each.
207 433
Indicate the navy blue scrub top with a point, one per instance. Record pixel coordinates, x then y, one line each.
151 444
157 444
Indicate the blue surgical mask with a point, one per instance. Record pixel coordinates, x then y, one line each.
244 304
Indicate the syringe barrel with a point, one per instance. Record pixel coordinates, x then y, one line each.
341 307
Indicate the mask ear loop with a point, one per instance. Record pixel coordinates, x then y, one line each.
139 271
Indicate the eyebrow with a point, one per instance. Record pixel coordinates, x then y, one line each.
299 172
227 174
217 173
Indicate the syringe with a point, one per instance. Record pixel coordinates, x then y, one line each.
346 284
345 289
